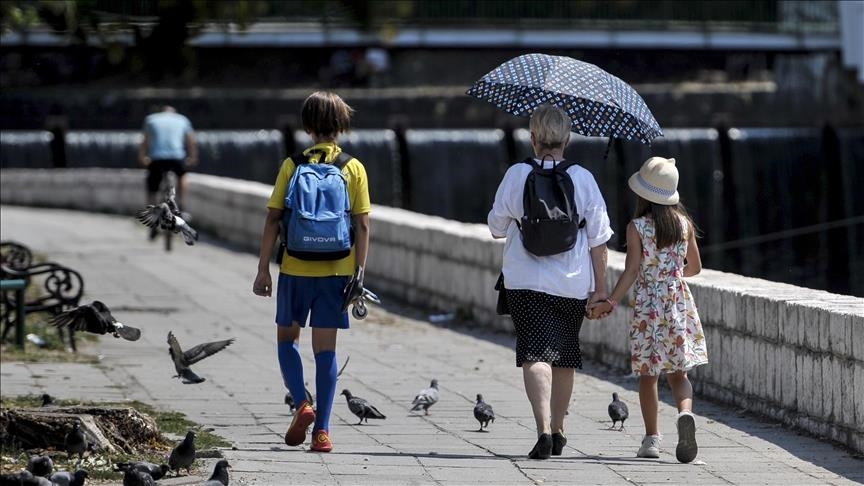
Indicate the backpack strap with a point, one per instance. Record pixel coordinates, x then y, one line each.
299 158
341 160
562 165
565 164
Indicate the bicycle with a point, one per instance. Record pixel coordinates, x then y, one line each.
167 189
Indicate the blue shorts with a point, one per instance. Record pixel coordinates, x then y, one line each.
296 297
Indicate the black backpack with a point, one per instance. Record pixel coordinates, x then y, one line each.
551 222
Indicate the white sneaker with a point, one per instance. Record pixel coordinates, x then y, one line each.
650 447
687 448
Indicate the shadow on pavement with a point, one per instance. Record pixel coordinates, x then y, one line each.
834 457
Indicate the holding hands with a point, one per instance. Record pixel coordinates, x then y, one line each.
598 309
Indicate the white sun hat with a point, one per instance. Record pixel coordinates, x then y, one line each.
656 181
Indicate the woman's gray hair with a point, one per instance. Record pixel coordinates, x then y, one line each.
551 126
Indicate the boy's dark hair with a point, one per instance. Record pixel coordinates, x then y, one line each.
325 114
667 223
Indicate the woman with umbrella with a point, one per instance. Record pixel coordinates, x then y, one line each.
547 292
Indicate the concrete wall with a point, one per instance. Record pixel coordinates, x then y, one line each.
791 353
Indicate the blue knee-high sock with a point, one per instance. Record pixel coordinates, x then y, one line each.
325 388
292 369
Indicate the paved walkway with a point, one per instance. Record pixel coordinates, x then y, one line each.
203 293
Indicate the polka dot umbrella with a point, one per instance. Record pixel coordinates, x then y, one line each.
598 103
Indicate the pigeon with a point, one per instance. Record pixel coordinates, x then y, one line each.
134 477
184 359
95 318
183 455
167 216
25 478
483 413
220 474
40 466
426 398
618 411
66 478
361 408
47 400
289 399
75 441
156 471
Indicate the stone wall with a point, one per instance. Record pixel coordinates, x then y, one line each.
790 353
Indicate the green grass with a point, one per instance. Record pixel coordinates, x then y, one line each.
168 422
54 351
177 423
32 354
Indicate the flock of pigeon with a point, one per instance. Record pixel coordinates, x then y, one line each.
483 412
97 318
40 469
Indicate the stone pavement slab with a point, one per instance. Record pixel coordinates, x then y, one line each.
203 293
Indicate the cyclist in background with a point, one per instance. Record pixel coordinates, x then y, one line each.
168 145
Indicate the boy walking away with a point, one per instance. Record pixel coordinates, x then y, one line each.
321 197
666 336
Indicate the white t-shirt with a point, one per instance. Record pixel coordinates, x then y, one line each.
567 274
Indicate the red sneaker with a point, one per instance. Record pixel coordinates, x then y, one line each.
321 441
303 418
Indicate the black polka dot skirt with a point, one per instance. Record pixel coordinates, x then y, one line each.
547 327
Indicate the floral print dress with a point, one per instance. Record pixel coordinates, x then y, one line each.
666 335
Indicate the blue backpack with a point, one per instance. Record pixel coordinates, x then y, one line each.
317 218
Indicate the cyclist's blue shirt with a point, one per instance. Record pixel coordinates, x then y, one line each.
167 135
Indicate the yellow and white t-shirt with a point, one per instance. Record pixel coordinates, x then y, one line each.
358 193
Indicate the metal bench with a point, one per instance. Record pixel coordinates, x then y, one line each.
17 285
15 255
60 289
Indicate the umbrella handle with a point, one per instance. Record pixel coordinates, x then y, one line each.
608 146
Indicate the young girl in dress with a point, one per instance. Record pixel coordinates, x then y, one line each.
666 336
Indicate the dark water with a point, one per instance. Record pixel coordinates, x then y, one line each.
379 152
253 153
776 203
454 174
25 148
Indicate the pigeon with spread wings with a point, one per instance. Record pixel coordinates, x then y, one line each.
184 359
95 318
168 217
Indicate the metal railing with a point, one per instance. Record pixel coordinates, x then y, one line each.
733 15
